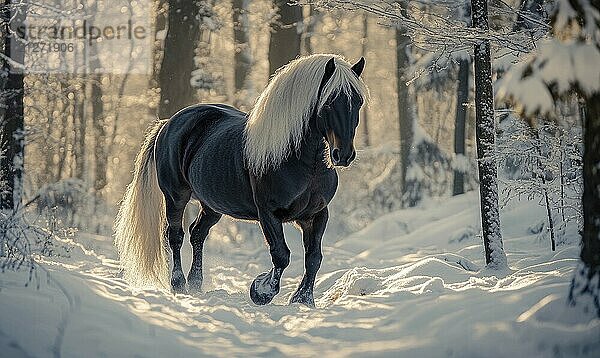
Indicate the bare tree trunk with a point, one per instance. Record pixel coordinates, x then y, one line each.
284 44
80 122
62 149
310 24
365 111
586 281
308 31
486 143
183 30
462 97
98 122
57 106
243 55
160 24
79 128
100 144
12 121
541 174
405 110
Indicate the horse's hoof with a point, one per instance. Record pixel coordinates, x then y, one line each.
178 289
195 286
195 282
178 283
263 289
304 297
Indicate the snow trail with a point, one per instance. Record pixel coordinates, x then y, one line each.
403 285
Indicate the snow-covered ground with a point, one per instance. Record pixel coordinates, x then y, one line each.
410 284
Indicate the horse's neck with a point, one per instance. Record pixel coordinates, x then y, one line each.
312 148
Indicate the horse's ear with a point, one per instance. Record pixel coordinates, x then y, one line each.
358 67
329 69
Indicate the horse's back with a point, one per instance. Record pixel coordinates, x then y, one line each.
183 134
196 119
201 152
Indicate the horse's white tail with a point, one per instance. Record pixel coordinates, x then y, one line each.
140 223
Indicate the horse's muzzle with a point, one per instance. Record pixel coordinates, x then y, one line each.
342 158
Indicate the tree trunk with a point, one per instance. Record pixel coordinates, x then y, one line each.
62 149
100 145
541 174
98 122
405 111
586 281
284 44
79 127
12 121
462 97
183 30
309 30
160 24
243 56
485 132
365 112
80 121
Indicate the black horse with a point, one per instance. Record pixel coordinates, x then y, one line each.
271 165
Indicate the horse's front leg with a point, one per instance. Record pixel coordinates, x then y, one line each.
266 285
312 232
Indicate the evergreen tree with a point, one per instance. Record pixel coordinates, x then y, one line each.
564 63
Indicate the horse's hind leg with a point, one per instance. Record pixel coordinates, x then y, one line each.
175 206
312 232
198 233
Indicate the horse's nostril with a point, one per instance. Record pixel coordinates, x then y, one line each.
335 155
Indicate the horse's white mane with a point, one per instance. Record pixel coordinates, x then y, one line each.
277 122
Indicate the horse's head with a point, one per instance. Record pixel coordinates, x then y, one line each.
338 118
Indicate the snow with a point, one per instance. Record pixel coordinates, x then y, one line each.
412 283
530 90
564 14
586 58
556 63
461 163
563 62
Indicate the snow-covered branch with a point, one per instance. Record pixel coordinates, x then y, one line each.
564 62
440 26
